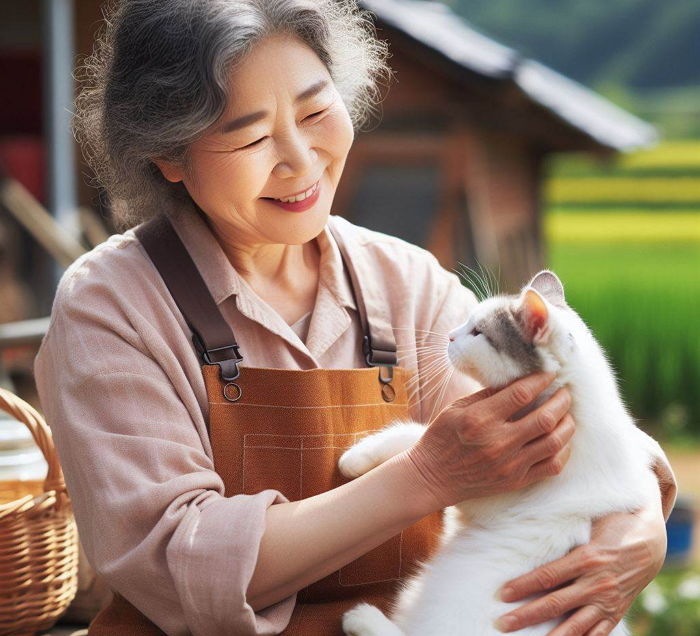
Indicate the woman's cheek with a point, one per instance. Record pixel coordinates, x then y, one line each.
337 128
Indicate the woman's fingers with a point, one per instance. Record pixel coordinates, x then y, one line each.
477 396
545 418
548 467
547 446
546 577
545 608
602 629
517 395
579 623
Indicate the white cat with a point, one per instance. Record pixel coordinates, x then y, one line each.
489 541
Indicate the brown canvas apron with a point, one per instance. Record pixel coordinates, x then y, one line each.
286 429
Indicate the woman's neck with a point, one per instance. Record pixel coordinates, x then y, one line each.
284 276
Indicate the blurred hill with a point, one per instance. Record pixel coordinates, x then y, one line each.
643 54
637 43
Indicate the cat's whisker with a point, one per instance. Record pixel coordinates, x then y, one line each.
434 366
493 279
437 333
432 362
422 354
472 279
441 395
423 345
483 280
484 276
434 388
424 379
423 350
429 348
434 370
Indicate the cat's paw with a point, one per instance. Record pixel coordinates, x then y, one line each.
367 620
355 462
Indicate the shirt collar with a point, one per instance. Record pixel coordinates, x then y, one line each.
221 277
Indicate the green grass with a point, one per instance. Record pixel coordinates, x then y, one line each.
642 301
630 263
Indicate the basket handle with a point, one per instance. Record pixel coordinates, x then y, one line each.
27 414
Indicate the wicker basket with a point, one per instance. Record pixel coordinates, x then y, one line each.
38 541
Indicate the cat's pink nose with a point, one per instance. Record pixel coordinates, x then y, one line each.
452 339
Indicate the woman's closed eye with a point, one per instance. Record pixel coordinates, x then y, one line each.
320 112
257 141
252 143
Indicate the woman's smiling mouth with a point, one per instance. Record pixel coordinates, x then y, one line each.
298 202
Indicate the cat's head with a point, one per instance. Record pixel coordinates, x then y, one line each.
509 336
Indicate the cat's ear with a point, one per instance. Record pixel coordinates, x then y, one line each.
534 316
548 284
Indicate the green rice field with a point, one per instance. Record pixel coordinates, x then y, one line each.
625 239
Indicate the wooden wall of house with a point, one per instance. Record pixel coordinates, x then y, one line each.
504 181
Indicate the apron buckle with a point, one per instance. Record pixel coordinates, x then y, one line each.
386 361
228 366
379 357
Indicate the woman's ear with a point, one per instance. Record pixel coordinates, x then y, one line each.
169 170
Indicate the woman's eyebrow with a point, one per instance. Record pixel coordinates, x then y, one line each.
247 120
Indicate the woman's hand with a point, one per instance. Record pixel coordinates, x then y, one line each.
600 579
471 449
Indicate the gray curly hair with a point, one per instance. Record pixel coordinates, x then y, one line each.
158 78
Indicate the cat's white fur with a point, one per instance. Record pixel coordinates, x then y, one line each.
489 541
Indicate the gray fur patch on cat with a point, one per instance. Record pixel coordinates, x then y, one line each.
506 337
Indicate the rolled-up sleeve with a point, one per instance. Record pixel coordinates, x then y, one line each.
668 486
150 508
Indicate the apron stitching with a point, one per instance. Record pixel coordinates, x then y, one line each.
334 406
296 448
246 435
394 578
369 430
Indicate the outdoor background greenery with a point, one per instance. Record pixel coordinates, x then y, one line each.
625 239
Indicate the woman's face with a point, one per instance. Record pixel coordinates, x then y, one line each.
285 145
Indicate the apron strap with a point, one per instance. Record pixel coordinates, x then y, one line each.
213 337
211 334
379 344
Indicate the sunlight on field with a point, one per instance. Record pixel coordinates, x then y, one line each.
624 189
672 154
614 226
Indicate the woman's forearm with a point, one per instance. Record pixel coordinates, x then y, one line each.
308 539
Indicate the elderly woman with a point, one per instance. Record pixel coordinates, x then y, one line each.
204 370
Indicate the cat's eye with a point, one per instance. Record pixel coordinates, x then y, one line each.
474 332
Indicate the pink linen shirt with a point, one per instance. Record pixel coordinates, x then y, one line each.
122 390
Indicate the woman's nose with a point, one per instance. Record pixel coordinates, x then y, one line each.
296 156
